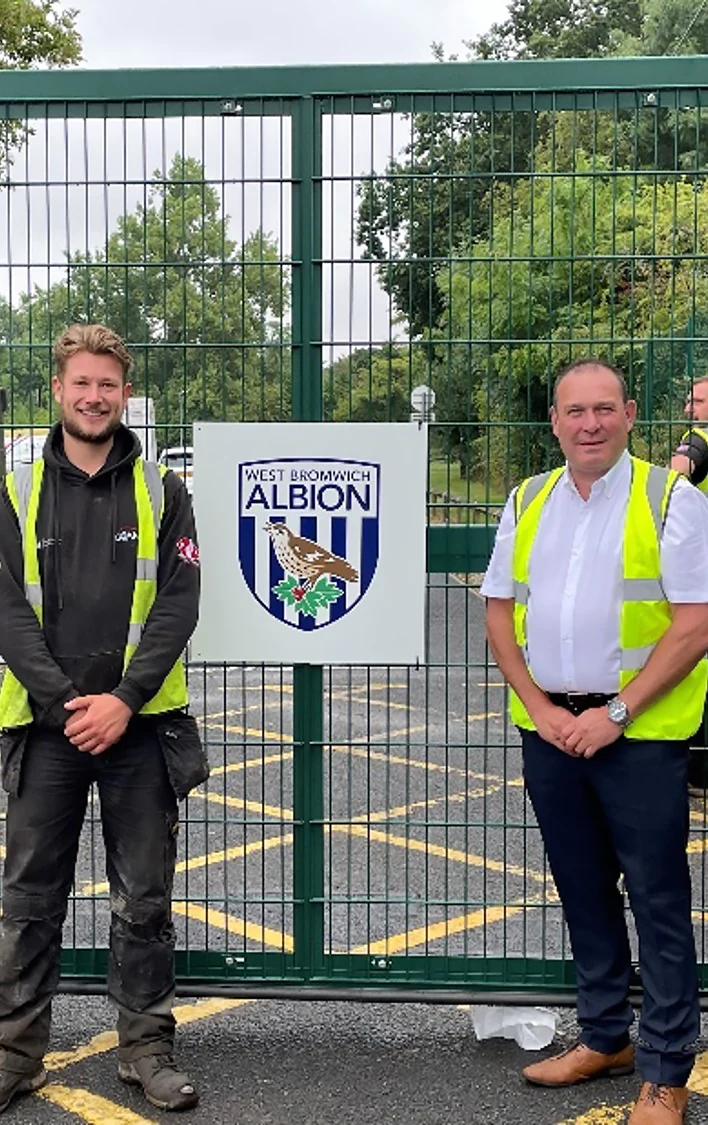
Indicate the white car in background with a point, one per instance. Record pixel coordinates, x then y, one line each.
23 447
179 458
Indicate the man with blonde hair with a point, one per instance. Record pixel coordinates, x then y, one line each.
99 591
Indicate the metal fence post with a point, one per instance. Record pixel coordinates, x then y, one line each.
308 698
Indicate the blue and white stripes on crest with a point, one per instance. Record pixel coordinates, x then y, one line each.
330 502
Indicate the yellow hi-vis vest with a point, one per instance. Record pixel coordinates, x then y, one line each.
24 487
645 614
703 486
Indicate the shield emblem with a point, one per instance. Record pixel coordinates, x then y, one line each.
308 536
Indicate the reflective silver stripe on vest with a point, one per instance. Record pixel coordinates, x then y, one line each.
146 569
643 590
531 492
656 487
135 632
521 593
153 480
22 477
33 593
634 659
23 486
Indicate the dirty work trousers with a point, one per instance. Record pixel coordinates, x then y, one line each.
624 811
139 822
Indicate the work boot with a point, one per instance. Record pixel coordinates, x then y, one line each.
13 1083
579 1064
162 1082
659 1105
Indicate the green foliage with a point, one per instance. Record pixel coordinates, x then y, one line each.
374 385
309 600
576 263
521 193
206 319
544 29
38 33
34 33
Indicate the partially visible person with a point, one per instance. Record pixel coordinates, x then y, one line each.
597 615
99 594
691 459
691 454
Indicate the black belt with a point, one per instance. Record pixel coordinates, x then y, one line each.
578 701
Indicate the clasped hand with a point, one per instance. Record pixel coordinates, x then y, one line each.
580 736
96 722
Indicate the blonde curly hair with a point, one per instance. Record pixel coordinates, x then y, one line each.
94 338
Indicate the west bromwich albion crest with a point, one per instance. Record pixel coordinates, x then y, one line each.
308 536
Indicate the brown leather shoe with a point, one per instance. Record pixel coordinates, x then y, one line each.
659 1105
579 1064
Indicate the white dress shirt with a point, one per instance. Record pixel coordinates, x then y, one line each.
575 575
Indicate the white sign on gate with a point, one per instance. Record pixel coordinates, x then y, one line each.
312 542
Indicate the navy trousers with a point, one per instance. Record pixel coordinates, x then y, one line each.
624 811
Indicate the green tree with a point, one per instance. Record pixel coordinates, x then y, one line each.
38 33
34 33
374 385
576 263
562 29
207 320
438 192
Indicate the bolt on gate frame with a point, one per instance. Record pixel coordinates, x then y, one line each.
312 244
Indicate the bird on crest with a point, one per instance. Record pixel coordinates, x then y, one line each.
305 559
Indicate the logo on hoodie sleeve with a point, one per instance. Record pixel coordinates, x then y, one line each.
188 551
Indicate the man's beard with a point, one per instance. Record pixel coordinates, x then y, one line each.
93 437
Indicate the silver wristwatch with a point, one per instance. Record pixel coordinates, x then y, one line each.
618 712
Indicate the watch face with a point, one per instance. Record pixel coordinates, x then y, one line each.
617 710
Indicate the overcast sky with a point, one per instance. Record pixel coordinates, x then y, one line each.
183 33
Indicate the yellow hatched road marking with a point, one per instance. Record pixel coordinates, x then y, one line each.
250 806
263 935
444 853
107 1040
423 935
353 693
358 828
92 1108
263 760
199 861
600 1115
252 732
403 810
99 1045
399 760
698 1082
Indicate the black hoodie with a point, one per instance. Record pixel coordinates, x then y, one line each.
87 542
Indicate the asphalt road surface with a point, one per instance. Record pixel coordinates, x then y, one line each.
430 852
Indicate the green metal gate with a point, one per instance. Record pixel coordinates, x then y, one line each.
313 244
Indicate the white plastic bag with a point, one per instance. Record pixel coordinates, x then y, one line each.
532 1028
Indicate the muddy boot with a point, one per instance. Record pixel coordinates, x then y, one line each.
14 1083
162 1082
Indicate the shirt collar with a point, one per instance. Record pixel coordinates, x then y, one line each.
607 485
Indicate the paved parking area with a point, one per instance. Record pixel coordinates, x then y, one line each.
280 1063
430 852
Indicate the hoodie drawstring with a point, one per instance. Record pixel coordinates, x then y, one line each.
56 536
114 516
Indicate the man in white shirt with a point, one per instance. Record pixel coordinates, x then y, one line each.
597 615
